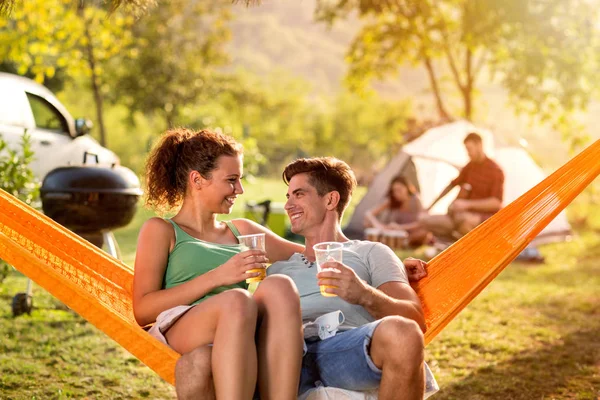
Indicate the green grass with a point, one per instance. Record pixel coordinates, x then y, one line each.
55 354
534 333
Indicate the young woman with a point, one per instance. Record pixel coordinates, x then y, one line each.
400 211
190 271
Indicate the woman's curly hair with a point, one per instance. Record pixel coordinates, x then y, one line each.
179 152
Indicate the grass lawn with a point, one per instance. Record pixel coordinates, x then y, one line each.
534 333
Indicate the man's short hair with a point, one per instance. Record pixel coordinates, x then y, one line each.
473 137
326 174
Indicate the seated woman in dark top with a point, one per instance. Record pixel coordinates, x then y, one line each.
400 211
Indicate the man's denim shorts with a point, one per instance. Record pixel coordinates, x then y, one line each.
341 361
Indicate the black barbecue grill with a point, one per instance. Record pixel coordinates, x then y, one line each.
90 200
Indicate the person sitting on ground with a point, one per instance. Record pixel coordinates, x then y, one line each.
190 272
400 212
481 184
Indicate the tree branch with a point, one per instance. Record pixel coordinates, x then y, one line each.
434 86
468 66
450 56
453 66
480 63
468 88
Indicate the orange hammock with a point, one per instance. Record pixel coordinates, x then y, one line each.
99 288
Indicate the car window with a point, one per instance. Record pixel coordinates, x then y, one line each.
46 115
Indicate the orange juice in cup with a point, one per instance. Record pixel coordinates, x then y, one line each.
326 252
254 242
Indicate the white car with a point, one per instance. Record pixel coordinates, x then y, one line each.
57 139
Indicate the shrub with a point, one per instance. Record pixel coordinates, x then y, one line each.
17 178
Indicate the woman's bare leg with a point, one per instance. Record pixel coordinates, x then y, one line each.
228 320
280 338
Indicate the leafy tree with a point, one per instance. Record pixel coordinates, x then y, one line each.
7 6
542 52
77 38
266 114
178 47
286 122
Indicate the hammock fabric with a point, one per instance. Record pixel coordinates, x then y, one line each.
99 288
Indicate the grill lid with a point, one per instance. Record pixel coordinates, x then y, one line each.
91 178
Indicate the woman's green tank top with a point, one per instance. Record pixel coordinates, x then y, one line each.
193 257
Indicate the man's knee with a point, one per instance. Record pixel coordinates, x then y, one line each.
468 222
197 359
426 220
398 340
438 224
459 217
193 375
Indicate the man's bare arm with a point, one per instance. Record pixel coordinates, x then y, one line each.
444 193
393 298
491 204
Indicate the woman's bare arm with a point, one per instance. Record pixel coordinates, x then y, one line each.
371 215
278 248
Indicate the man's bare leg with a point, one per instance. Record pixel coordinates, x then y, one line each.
439 225
193 375
467 222
397 349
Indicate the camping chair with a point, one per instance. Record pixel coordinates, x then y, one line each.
99 287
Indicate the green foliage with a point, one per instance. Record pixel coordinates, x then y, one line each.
175 51
167 69
365 132
54 84
17 179
39 37
543 53
278 114
274 118
77 38
5 269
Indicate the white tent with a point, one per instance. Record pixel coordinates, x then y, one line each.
435 158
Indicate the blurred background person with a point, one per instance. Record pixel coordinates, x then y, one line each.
481 192
400 212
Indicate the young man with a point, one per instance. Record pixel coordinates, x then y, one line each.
481 184
380 344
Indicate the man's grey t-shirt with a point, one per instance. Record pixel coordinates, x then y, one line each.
373 262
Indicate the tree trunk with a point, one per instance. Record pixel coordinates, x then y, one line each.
170 117
467 90
442 113
95 84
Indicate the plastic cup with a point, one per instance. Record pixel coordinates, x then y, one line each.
254 242
326 252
